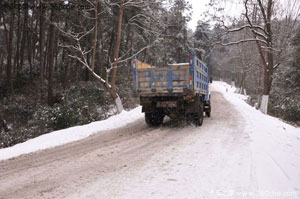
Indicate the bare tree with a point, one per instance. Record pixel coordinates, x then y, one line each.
270 32
109 81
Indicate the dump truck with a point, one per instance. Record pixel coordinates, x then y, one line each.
175 90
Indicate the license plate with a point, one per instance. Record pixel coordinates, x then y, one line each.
166 104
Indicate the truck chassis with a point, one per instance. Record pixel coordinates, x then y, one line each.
189 106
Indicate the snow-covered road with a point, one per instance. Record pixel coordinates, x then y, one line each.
237 153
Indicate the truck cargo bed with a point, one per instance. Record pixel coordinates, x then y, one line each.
172 79
163 80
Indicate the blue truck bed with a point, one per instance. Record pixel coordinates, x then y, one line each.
191 77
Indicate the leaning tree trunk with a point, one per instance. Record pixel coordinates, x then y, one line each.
113 91
111 88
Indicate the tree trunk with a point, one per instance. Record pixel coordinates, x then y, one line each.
65 58
268 60
119 104
86 71
9 51
16 67
30 47
264 104
117 46
267 88
56 69
110 51
6 42
24 37
115 96
66 72
35 38
51 59
101 48
46 56
29 58
5 28
1 64
42 35
242 83
112 88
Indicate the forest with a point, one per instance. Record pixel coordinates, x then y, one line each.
66 63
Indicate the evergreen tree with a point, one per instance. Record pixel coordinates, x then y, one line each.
285 97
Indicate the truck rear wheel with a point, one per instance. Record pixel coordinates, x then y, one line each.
198 119
207 108
154 119
194 118
194 111
207 113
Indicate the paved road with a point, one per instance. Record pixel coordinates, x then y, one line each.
137 161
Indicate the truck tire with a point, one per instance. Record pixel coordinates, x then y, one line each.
207 114
194 112
194 118
189 118
207 108
154 119
198 119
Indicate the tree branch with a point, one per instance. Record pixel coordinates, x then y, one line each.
242 41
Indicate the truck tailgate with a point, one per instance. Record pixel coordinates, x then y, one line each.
163 80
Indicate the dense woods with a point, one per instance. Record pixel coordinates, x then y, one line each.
64 63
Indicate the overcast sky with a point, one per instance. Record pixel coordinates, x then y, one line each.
234 8
199 6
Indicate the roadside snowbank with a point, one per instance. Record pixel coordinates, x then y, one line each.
275 144
72 134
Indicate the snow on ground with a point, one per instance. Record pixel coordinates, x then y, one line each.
256 156
72 134
275 145
247 155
